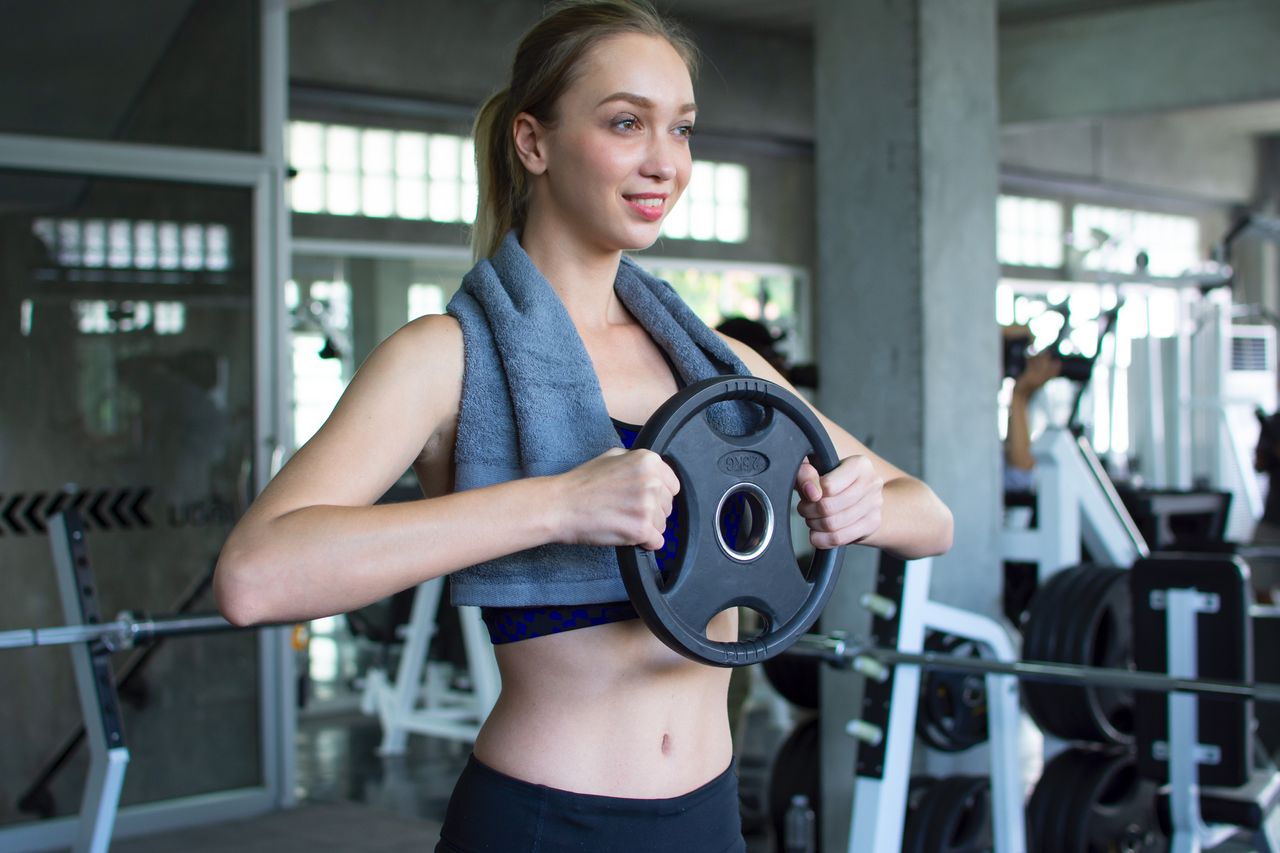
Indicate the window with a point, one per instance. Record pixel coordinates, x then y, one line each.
1029 231
377 172
1118 240
713 207
715 292
109 316
321 320
136 245
425 299
380 173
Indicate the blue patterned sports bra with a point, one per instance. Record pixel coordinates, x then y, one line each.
512 624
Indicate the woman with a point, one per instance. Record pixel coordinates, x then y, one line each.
603 738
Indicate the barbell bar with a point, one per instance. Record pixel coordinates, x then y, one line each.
873 661
123 633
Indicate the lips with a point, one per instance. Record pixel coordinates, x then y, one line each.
648 205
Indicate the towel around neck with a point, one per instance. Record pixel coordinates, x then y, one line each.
532 406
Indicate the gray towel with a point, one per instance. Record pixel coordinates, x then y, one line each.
532 405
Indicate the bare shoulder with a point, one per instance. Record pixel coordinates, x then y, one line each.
421 362
435 336
419 367
404 395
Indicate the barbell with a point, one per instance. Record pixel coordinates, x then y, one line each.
720 568
875 661
124 632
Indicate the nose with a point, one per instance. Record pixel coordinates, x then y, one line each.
662 159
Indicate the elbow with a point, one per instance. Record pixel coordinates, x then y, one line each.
947 531
233 589
932 539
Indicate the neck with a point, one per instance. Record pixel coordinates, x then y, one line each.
581 276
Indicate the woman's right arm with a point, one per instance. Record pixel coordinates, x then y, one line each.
312 544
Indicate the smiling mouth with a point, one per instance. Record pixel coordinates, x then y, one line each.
650 207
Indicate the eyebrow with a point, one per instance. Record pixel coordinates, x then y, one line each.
642 101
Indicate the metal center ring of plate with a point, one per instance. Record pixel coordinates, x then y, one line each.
763 499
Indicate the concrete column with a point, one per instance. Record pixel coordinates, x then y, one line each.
379 301
907 152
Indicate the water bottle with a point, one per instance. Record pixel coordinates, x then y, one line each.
801 831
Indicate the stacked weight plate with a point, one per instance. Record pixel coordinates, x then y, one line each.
1081 616
1091 799
1090 796
952 715
948 815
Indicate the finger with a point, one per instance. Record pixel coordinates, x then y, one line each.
659 468
672 481
845 474
834 504
807 484
855 532
847 517
657 538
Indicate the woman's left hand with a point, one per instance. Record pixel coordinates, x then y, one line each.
842 506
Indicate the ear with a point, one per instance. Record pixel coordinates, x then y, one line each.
529 137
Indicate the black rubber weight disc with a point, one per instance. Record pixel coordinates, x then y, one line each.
709 575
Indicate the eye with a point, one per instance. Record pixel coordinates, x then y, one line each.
684 130
626 123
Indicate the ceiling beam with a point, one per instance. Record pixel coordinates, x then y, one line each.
1136 60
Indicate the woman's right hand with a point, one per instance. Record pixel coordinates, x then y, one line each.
621 497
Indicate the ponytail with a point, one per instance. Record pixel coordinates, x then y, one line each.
500 177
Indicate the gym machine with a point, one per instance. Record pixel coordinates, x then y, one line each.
421 699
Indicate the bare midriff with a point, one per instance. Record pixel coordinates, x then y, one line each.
609 710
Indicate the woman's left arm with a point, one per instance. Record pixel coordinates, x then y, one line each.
864 500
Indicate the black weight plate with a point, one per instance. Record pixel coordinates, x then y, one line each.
1047 614
1066 709
1110 645
1120 813
1046 623
922 809
1048 812
962 821
797 769
1090 801
707 576
1098 634
952 716
1074 720
795 678
1069 803
1079 800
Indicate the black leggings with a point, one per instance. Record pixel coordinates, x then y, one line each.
490 811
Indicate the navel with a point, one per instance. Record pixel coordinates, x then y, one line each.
666 744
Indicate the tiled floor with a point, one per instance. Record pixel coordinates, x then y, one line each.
333 827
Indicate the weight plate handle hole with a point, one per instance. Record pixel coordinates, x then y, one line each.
744 522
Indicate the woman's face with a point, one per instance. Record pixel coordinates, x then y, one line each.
616 158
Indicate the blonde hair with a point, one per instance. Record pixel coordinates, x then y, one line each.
546 63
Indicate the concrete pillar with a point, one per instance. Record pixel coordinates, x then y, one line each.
379 301
1255 259
907 152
